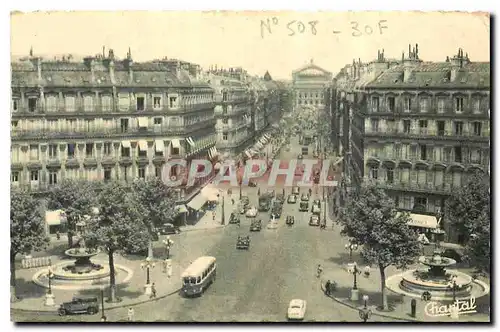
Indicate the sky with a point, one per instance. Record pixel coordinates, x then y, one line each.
284 42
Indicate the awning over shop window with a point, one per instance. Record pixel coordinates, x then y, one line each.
215 151
55 217
159 146
190 141
263 141
176 144
421 220
210 153
259 145
143 145
247 153
143 122
126 144
181 208
197 202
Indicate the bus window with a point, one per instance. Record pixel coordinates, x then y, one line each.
192 281
186 281
198 280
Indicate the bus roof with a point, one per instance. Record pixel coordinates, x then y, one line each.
198 266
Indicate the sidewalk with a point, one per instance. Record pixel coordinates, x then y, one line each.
400 304
207 221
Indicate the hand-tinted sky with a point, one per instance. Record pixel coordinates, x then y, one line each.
236 38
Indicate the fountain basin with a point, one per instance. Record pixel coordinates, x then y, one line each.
418 282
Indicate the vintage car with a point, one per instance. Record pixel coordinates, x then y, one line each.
316 209
295 190
242 209
252 183
273 224
245 201
304 197
314 220
317 202
256 226
243 242
290 220
304 206
252 212
276 211
271 192
80 305
296 309
234 218
292 199
300 157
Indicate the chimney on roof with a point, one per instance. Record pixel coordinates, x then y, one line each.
31 51
90 63
410 63
457 62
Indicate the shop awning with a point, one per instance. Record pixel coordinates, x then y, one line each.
159 145
190 141
267 136
126 144
215 151
263 141
248 154
143 122
422 220
181 208
176 144
210 153
197 202
143 145
55 217
259 145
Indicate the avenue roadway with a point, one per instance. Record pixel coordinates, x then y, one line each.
254 285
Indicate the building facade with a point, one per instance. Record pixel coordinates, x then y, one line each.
309 84
107 119
416 128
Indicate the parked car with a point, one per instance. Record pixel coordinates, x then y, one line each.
245 201
280 198
256 226
290 220
252 183
271 192
300 157
243 242
80 305
295 190
292 199
314 220
252 212
168 228
317 202
304 197
316 209
234 218
296 309
303 206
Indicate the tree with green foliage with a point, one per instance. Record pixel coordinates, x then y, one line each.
155 204
371 219
468 211
27 230
76 199
114 227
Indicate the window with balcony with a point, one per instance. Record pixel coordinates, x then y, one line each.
459 128
475 156
89 150
375 104
421 202
224 136
106 103
142 173
15 105
34 175
125 152
69 103
440 128
438 153
459 105
158 171
33 152
124 125
51 104
458 154
407 104
374 125
374 173
423 152
457 179
391 103
107 175
406 126
477 128
476 106
88 104
71 150
390 175
52 151
172 101
107 148
424 105
156 103
139 101
158 121
32 103
124 102
441 105
52 177
14 177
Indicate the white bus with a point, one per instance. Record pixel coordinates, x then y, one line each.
198 276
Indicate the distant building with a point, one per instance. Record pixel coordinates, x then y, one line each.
416 128
309 85
106 119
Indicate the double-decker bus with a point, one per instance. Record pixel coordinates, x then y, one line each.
198 276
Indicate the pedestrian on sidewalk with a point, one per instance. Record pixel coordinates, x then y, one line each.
130 314
232 201
58 235
153 291
213 215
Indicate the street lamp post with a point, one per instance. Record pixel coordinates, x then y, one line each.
168 244
355 271
147 265
49 297
223 213
365 313
351 246
103 316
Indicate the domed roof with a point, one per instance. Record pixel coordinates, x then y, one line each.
312 72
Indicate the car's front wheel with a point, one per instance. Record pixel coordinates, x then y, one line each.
62 312
92 311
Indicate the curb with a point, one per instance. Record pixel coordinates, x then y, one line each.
111 307
373 312
202 229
